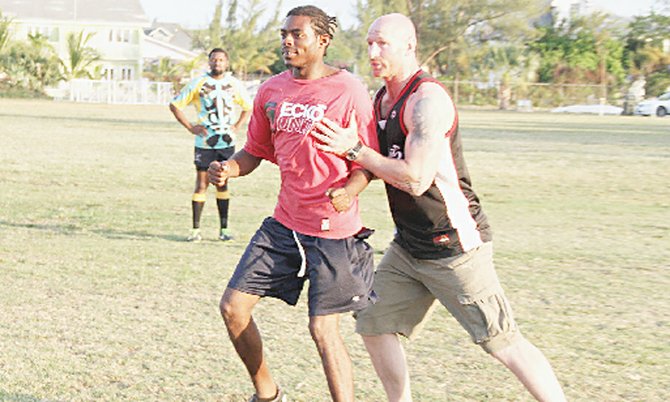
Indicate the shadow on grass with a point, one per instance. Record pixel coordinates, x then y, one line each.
21 398
70 229
101 120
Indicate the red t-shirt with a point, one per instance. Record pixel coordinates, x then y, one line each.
285 110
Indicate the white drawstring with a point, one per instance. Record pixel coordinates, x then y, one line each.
303 262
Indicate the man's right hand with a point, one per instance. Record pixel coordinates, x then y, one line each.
199 130
217 174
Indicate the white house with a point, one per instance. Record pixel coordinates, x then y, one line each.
167 40
117 26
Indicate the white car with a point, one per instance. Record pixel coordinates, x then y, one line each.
659 106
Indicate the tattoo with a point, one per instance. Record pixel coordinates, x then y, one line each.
423 121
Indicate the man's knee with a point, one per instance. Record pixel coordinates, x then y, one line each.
508 349
231 308
324 329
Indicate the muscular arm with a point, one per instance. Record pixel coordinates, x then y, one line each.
428 116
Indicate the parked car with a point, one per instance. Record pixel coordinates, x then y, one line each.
659 106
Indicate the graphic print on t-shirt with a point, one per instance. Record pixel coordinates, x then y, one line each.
218 103
296 118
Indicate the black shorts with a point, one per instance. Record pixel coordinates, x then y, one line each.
203 157
340 271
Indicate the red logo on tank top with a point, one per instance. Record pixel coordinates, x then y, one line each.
441 240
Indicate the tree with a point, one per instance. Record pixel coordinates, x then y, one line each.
252 47
644 50
449 31
583 50
4 31
512 66
215 26
164 70
31 64
81 58
366 12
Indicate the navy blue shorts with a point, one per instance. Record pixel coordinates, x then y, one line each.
203 157
340 271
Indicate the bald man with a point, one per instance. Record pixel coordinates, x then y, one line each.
442 248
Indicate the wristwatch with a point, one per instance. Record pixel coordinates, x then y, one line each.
352 153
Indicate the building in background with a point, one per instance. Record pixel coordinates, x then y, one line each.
170 41
117 26
123 35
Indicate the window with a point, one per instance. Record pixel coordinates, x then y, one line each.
51 33
108 73
127 73
119 35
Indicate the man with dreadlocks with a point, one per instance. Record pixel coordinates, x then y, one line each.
306 238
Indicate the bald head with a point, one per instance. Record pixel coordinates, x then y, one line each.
396 26
392 47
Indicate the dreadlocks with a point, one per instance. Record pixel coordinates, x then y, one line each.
322 23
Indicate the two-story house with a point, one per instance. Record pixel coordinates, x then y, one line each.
117 26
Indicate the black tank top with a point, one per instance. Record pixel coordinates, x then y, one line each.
447 219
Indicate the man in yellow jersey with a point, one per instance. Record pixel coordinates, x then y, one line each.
214 95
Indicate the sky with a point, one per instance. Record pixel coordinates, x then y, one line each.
198 13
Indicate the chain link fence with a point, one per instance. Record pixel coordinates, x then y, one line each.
531 96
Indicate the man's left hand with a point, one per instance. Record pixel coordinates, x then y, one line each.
340 198
333 138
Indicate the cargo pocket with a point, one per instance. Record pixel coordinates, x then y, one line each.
487 314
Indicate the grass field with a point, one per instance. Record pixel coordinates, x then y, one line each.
101 299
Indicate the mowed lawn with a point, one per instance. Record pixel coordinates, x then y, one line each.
102 299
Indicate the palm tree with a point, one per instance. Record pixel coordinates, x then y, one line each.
164 70
80 57
4 31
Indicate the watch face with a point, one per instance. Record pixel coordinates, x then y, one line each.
352 154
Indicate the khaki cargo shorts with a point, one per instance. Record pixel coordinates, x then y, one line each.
467 285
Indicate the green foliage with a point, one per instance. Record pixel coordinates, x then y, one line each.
13 91
647 30
451 33
31 64
252 47
580 51
644 50
658 83
81 57
215 26
4 31
165 70
341 52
